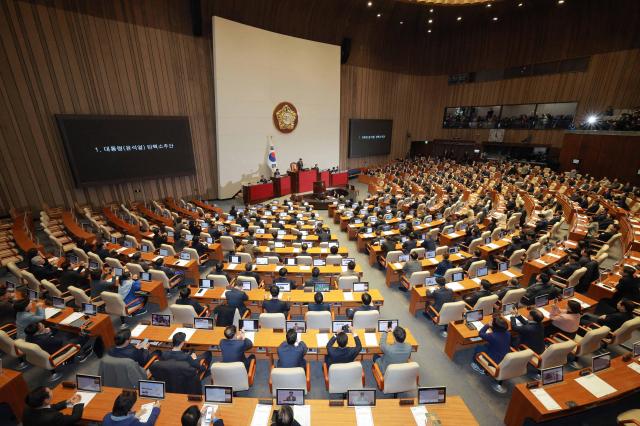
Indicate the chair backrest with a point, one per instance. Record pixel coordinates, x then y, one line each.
227 243
7 344
514 364
393 256
533 252
120 372
318 320
34 354
447 229
514 296
183 314
113 303
304 260
334 259
79 296
241 278
244 257
366 319
473 268
168 248
576 276
15 271
218 280
625 331
95 258
418 278
451 311
592 340
343 377
486 303
474 244
556 354
132 240
288 378
402 377
273 260
233 374
81 254
495 235
157 275
114 263
193 254
346 283
420 251
601 258
51 288
150 246
516 257
134 268
272 321
448 275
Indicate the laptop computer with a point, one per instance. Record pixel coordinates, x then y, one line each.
151 389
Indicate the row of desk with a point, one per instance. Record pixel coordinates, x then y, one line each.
295 182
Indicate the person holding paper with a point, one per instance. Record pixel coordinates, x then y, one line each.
342 354
291 353
498 343
199 362
397 353
530 330
121 414
124 349
565 321
234 345
40 410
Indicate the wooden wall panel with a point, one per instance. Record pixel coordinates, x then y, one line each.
416 103
102 57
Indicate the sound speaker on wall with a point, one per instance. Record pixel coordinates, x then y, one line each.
345 50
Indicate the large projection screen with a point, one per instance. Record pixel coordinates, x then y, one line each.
255 70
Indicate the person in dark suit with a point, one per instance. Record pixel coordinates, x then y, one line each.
159 266
441 295
122 413
428 244
515 245
366 306
282 278
628 287
7 313
613 320
541 287
475 258
124 348
99 284
236 298
319 304
223 314
569 268
275 305
485 290
102 251
74 278
315 277
249 272
220 271
52 341
530 330
191 417
185 299
443 266
42 269
290 353
513 284
199 362
234 345
40 410
342 354
284 417
498 342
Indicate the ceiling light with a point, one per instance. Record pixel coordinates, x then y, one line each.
495 18
430 10
379 15
370 3
592 119
520 4
429 31
430 21
401 22
488 4
459 18
560 1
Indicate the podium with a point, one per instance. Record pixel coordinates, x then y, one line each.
324 176
257 192
302 180
282 185
339 179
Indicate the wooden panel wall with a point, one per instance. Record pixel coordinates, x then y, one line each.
98 57
603 154
416 103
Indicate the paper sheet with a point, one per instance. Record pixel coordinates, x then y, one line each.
232 266
71 318
554 255
595 385
476 280
213 413
544 312
85 397
635 367
322 339
201 292
545 399
261 415
145 410
49 312
583 304
509 274
419 415
137 330
121 249
370 339
251 335
454 286
302 414
348 296
363 416
542 262
305 268
397 265
278 267
188 331
493 245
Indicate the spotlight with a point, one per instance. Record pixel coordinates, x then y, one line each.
370 3
379 15
430 21
560 1
495 18
401 22
520 4
592 119
488 4
429 31
459 18
430 10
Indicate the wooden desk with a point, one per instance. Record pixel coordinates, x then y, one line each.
182 212
420 295
125 227
524 405
298 274
257 192
13 390
158 219
75 230
459 336
387 411
22 238
157 293
534 267
394 270
311 251
102 325
207 207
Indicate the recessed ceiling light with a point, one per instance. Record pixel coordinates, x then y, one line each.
429 31
459 18
495 18
488 4
430 10
370 3
430 21
401 22
560 1
520 4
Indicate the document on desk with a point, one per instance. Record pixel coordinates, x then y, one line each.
188 331
137 330
454 286
121 249
582 304
278 267
49 312
478 325
509 274
595 385
261 415
364 416
302 414
305 268
476 280
348 296
397 265
370 339
635 367
322 339
544 312
232 266
493 246
545 399
419 415
542 262
85 397
201 292
554 255
251 335
71 318
144 412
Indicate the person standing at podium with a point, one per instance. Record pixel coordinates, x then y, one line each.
300 164
276 174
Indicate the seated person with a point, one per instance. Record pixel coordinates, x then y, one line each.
342 354
42 269
291 353
69 277
315 277
52 341
485 290
185 299
159 266
530 331
366 306
192 415
25 316
249 272
541 287
628 287
568 269
275 305
565 321
234 345
282 278
220 271
198 246
397 353
351 270
476 257
41 410
124 349
236 298
319 304
122 414
613 320
515 245
443 266
513 284
128 287
413 265
284 417
199 362
429 244
223 314
7 313
441 294
498 343
99 283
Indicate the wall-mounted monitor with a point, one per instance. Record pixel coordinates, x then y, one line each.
369 137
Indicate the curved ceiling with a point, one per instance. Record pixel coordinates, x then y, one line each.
449 2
